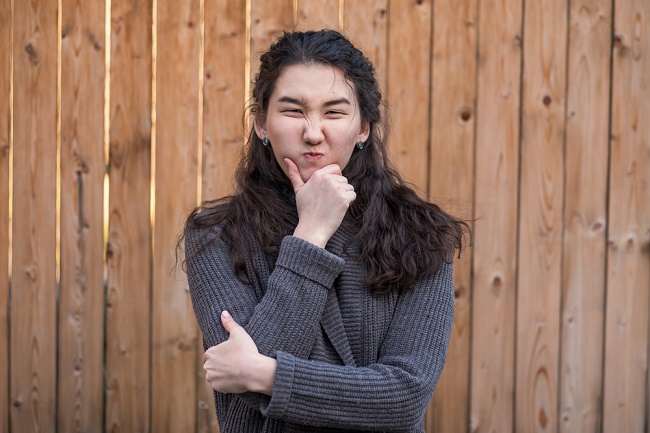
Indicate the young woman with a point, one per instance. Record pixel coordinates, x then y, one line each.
323 285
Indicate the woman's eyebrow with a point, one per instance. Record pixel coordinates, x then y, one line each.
337 102
290 100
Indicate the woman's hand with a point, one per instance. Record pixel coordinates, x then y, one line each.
322 202
236 366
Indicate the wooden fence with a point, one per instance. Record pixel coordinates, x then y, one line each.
531 118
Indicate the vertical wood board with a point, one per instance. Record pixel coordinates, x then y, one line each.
128 253
585 216
540 217
409 47
268 19
370 35
495 235
5 113
33 291
451 164
81 309
628 244
223 95
177 126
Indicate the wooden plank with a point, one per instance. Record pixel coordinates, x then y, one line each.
5 121
81 309
409 48
451 162
268 19
223 94
628 273
365 22
540 217
128 254
174 388
495 236
33 291
207 416
317 14
585 216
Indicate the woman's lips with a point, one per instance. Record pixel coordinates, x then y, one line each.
312 156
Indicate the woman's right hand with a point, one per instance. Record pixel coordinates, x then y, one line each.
322 202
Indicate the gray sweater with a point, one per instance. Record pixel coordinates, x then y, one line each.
347 359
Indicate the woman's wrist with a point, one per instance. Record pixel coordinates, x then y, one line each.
311 236
262 375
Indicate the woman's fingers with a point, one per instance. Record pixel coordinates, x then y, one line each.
294 175
228 322
227 364
322 203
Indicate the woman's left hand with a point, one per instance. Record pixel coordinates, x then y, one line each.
236 366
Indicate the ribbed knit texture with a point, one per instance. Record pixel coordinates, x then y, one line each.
348 360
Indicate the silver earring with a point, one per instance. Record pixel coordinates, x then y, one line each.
360 145
265 141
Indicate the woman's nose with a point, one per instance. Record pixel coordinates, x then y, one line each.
313 133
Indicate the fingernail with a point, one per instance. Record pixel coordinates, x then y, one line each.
225 313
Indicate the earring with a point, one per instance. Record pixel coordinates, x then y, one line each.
360 145
265 141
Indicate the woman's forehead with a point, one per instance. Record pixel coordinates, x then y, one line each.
313 82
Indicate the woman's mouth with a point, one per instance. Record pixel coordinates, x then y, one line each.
312 156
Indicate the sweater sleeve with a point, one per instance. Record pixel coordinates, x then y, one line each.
284 318
390 395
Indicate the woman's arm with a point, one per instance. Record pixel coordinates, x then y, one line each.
390 395
284 317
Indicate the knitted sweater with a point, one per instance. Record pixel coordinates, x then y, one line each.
347 359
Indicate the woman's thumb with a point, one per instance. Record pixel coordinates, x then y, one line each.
227 321
294 175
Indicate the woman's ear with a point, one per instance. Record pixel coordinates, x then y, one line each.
364 131
259 123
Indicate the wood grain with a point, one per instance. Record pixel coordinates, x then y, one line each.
495 236
128 254
451 181
585 216
5 116
223 95
33 290
540 217
409 45
317 14
81 309
365 22
268 19
177 142
628 244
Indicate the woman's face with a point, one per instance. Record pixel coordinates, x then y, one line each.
313 118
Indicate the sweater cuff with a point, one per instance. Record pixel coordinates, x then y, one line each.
282 387
309 261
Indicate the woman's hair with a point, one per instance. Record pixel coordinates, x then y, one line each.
400 236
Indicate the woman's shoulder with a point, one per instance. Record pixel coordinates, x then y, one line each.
205 225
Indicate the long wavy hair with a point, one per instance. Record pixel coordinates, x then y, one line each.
400 236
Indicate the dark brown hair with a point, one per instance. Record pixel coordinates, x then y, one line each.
400 235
